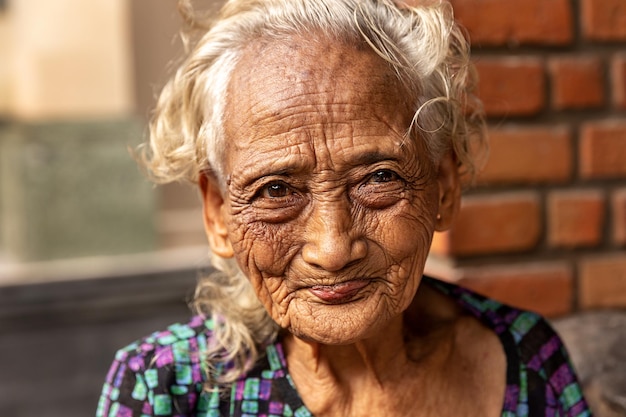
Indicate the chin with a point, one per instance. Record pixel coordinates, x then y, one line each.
341 324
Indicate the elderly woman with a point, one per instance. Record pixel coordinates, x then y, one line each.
328 138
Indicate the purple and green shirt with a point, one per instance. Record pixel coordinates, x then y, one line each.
162 374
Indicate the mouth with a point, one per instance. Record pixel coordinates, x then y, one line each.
339 293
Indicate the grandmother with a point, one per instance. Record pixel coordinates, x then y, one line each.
328 139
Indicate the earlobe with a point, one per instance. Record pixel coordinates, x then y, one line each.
213 213
449 192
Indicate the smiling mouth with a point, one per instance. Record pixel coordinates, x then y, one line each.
339 293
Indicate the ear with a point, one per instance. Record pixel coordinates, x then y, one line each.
449 192
214 216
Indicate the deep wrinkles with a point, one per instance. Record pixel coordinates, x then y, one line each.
282 305
316 130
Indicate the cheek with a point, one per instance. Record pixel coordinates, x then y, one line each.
406 232
263 249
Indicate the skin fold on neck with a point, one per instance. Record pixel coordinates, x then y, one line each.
383 372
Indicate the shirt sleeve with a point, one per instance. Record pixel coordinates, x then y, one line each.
125 392
160 375
553 387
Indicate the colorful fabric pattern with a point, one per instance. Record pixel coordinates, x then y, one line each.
162 374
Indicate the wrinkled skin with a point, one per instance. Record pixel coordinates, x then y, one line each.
324 188
329 209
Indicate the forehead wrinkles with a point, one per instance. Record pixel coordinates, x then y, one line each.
323 149
283 94
274 79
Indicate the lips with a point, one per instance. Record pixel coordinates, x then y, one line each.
339 293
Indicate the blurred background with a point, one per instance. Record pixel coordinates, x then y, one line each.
92 256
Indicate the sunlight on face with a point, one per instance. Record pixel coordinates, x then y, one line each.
330 208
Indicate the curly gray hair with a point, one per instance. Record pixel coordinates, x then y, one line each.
428 53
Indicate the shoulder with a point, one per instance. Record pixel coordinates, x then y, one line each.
179 343
158 373
527 329
546 371
538 363
525 334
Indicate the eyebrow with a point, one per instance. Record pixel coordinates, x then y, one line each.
252 175
369 158
366 158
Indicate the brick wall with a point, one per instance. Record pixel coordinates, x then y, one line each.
545 228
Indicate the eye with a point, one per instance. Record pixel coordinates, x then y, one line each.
276 190
382 176
277 202
380 189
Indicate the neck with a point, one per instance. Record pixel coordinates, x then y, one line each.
386 353
417 361
376 358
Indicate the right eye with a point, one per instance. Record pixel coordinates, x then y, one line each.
277 201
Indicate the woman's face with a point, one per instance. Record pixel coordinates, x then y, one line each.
329 208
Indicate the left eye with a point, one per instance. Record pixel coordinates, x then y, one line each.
382 176
380 189
276 190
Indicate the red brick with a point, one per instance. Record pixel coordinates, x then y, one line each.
546 288
577 82
604 20
511 86
602 281
603 149
619 217
618 80
575 218
498 22
497 223
519 154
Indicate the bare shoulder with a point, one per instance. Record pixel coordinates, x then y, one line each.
475 363
478 359
432 312
479 350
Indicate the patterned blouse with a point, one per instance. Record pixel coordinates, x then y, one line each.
162 374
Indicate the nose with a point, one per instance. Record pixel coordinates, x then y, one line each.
331 241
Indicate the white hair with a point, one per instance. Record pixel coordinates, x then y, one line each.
423 45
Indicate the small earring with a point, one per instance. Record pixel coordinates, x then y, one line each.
438 216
